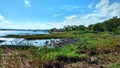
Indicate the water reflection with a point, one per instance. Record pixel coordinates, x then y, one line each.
38 42
24 42
10 41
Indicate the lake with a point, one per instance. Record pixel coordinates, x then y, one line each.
22 41
3 33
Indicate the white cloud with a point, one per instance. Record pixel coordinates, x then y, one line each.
70 17
27 3
4 22
90 6
1 17
102 11
38 25
102 4
27 25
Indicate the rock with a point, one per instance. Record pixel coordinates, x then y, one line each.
94 60
116 53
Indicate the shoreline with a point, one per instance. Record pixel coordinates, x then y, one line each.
41 36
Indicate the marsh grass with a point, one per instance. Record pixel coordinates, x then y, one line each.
43 36
0 54
47 54
88 42
115 65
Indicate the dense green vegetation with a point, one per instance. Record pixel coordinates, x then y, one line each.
110 25
71 28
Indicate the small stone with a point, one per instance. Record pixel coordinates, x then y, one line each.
116 53
94 60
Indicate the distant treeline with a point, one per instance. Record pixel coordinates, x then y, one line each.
110 25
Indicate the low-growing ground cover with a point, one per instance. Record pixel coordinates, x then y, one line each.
99 50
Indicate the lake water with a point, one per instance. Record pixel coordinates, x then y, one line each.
3 33
22 41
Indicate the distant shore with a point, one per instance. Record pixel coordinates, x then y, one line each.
24 29
41 36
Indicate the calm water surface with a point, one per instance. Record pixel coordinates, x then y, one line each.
3 33
17 41
21 41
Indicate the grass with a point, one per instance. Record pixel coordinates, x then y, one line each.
115 65
88 42
47 54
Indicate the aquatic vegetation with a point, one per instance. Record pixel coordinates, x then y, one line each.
42 36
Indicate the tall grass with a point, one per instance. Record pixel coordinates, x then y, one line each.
115 65
42 36
46 54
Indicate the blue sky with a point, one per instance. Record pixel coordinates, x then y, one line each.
46 14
